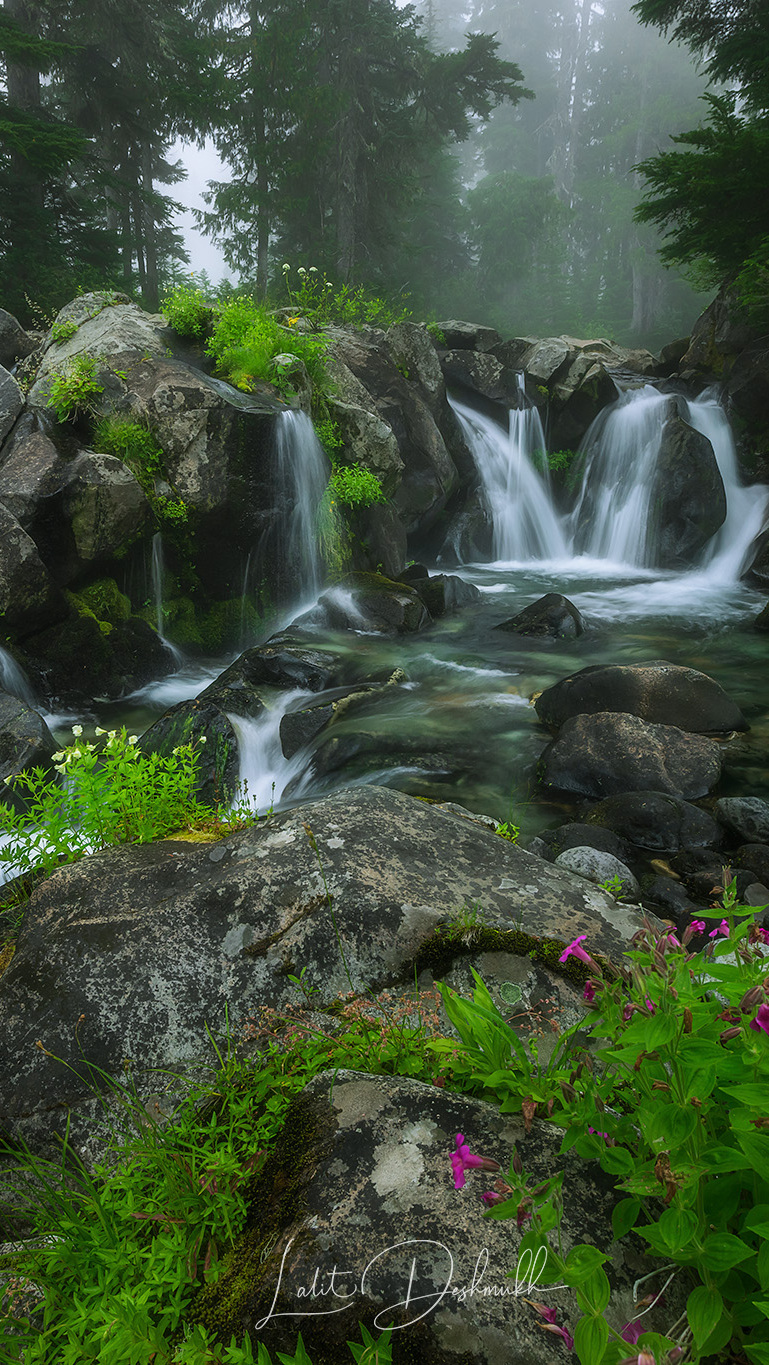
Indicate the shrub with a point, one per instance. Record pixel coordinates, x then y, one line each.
353 486
62 331
132 442
246 339
187 310
313 295
74 389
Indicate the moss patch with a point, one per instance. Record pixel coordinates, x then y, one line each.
448 943
104 600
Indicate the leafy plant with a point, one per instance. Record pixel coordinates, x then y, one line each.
74 389
247 339
353 486
316 298
671 1101
132 442
110 796
506 830
187 310
62 331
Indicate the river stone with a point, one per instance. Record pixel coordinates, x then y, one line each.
371 602
204 724
25 742
552 615
11 402
657 821
688 499
444 593
548 360
482 373
286 663
755 857
15 344
360 1196
575 835
610 753
153 944
659 692
703 873
745 816
668 897
598 867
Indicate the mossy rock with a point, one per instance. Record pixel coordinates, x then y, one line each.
203 724
224 624
105 600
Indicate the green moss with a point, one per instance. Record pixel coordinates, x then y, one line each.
80 606
105 600
448 943
224 623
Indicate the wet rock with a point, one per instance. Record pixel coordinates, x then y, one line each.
11 402
600 868
153 944
359 1188
29 599
688 499
762 620
575 835
757 895
105 507
444 593
654 820
547 360
468 336
298 728
668 897
15 344
286 663
84 656
204 724
482 373
552 615
368 601
25 742
369 441
659 692
704 873
745 816
610 753
413 351
755 858
32 474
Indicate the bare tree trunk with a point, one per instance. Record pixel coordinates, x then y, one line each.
150 286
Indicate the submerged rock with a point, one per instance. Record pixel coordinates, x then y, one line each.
660 692
552 615
609 753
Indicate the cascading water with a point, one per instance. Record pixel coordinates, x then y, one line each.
14 680
301 474
612 521
525 523
158 580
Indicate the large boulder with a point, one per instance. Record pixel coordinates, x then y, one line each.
370 602
610 753
467 336
107 325
688 499
483 373
105 508
599 867
25 742
29 599
32 474
138 955
747 817
413 350
203 723
11 402
663 693
358 1200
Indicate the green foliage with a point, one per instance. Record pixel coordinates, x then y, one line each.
110 796
246 340
132 442
62 331
508 831
672 1107
316 298
353 486
752 286
557 461
187 309
75 388
329 435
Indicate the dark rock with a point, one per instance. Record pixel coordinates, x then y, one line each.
444 593
234 691
574 835
548 360
762 620
25 742
105 507
653 820
371 602
205 725
552 615
688 500
667 896
413 574
286 663
672 355
757 895
481 373
32 474
359 1194
745 816
11 402
468 336
15 344
755 858
29 599
413 350
297 728
154 944
659 692
703 873
78 659
610 753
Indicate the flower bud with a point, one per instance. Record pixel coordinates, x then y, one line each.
688 1020
728 1034
751 999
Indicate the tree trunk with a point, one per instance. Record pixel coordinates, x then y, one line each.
150 286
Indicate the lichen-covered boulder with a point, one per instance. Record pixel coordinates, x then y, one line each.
105 507
133 953
663 693
552 615
610 753
483 373
32 475
467 336
286 662
413 351
358 1202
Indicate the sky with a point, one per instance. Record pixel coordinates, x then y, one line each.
202 166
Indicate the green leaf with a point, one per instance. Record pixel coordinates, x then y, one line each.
616 1161
720 1158
670 1124
762 1266
758 1353
594 1292
756 1149
703 1309
590 1337
756 1096
624 1216
722 1250
581 1261
678 1227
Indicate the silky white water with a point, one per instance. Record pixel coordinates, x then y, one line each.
301 474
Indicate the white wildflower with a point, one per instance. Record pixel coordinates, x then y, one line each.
77 731
133 739
99 731
301 270
286 267
202 739
60 767
57 757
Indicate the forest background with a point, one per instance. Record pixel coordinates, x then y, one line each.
487 158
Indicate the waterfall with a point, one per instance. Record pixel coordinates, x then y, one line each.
158 580
264 770
13 679
525 524
301 473
611 519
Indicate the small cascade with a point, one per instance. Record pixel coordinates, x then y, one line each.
611 520
301 474
158 580
525 523
14 680
265 772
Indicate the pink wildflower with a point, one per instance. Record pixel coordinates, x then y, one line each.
631 1332
464 1160
575 950
559 1332
549 1314
723 929
492 1197
761 1020
697 926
